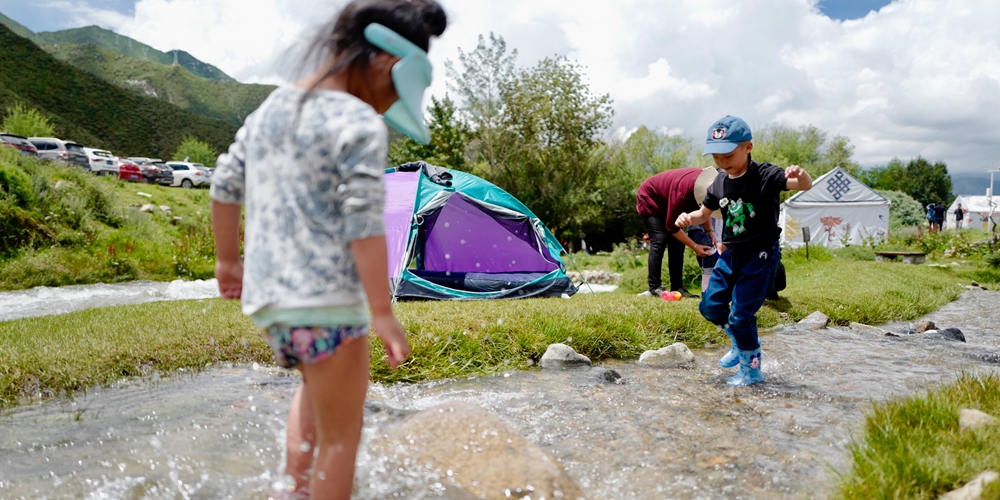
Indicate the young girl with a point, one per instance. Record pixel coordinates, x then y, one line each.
308 165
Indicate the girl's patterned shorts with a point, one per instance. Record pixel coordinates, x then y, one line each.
309 344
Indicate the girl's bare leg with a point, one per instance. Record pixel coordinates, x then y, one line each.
301 440
337 387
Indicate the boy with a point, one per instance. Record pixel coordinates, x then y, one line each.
747 194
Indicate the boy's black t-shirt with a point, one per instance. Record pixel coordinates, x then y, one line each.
750 206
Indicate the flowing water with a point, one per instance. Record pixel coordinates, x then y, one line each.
665 433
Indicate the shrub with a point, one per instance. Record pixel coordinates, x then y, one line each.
905 211
19 229
16 185
196 151
22 120
625 256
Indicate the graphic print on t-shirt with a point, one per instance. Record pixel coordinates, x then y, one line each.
738 212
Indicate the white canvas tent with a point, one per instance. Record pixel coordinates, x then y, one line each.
977 212
839 210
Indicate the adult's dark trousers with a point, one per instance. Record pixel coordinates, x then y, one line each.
659 241
737 289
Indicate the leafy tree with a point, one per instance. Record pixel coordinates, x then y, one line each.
927 182
905 211
478 82
804 146
448 139
554 123
889 177
29 122
195 151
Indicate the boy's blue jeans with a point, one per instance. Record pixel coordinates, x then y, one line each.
737 289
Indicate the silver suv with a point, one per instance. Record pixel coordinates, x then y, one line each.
50 148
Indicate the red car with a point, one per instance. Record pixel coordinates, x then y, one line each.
129 170
19 143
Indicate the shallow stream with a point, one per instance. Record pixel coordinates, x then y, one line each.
665 433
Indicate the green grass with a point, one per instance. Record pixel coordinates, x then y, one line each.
913 448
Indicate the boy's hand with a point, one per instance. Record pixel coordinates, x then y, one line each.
794 172
230 276
683 220
393 338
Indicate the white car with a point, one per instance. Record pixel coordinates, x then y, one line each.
188 175
101 162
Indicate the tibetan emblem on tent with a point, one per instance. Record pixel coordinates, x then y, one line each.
838 185
830 224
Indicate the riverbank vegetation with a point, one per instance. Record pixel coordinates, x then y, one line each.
913 447
60 225
71 352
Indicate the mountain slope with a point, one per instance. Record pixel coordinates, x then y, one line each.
228 101
88 109
109 40
17 28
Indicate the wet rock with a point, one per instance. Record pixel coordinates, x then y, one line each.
563 356
908 330
991 357
923 326
148 208
868 329
815 321
471 449
948 334
606 375
972 419
973 490
673 356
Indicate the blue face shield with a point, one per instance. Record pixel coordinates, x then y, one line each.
411 75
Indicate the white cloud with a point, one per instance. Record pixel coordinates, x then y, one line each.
917 77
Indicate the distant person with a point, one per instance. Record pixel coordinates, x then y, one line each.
748 193
959 216
659 200
930 216
939 215
308 165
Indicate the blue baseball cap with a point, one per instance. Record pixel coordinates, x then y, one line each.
725 134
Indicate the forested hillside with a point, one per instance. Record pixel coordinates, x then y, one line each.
90 110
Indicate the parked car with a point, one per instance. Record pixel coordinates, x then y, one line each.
187 175
205 170
19 143
154 171
129 170
50 148
101 162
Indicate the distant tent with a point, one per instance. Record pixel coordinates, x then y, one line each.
839 210
454 236
977 212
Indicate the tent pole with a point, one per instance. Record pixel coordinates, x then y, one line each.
571 261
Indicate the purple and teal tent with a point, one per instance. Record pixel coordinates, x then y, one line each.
454 236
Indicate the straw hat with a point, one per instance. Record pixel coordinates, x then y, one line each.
705 179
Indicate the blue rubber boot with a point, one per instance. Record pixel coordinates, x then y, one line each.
749 372
731 358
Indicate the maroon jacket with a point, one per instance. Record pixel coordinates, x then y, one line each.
668 194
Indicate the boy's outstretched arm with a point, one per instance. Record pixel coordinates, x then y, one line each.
699 216
798 179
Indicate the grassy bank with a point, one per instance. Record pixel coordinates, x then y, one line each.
913 448
60 225
51 355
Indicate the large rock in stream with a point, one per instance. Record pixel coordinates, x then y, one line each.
558 356
472 450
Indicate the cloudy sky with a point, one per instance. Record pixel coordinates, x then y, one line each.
900 78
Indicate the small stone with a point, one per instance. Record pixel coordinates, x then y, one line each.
971 419
783 315
815 321
175 220
606 375
563 356
149 207
948 334
63 185
673 356
924 325
867 329
973 490
164 208
140 193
